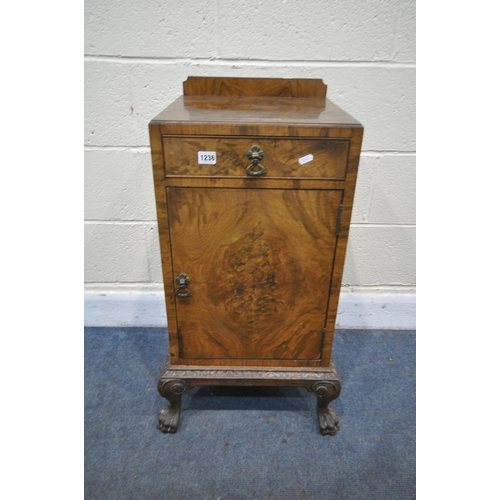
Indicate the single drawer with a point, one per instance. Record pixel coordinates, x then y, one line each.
228 156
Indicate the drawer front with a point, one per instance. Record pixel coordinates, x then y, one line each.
227 157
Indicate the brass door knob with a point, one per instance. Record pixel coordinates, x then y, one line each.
183 281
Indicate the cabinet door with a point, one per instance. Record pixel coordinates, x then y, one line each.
260 265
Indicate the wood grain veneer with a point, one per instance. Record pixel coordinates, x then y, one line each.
281 156
264 255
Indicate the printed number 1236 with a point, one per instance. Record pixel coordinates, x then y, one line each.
206 157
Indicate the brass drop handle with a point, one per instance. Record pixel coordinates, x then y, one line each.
183 281
255 155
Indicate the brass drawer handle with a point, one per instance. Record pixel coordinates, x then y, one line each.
255 155
183 281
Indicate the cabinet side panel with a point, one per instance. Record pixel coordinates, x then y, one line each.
163 229
345 220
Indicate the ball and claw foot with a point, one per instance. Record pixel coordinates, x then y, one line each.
329 422
328 419
168 419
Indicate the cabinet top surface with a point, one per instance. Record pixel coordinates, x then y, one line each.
256 110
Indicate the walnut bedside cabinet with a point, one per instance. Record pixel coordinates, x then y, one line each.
254 181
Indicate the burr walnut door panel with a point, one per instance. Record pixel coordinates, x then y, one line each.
260 265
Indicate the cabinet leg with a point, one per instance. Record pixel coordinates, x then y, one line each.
328 419
168 417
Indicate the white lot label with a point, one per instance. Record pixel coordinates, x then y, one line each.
206 157
306 159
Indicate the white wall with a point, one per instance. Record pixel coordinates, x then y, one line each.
138 53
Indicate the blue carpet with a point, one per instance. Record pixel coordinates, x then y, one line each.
249 443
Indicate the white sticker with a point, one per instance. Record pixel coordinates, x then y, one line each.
207 157
306 159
